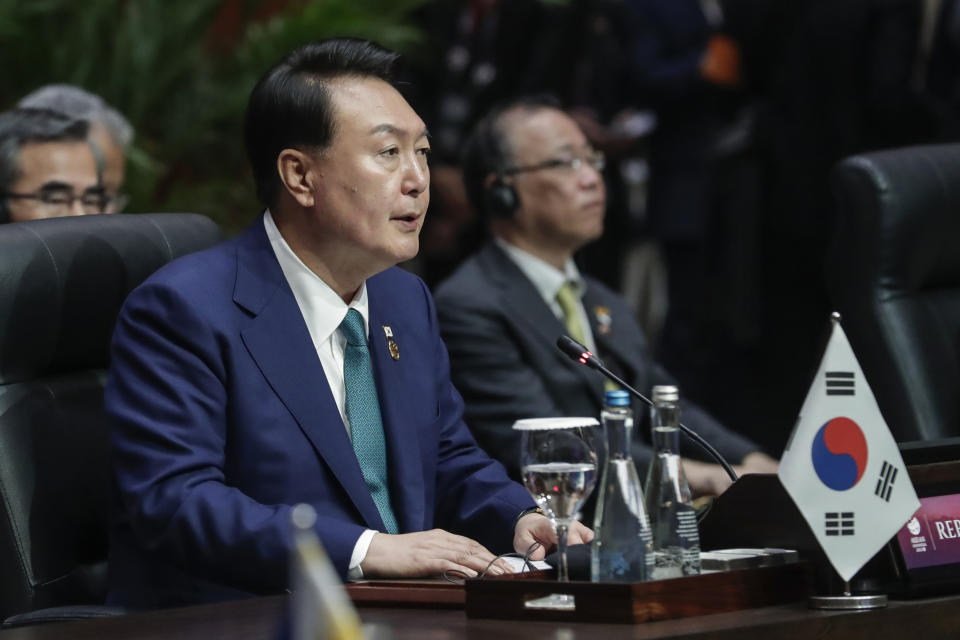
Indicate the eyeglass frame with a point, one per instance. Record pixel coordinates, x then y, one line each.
595 159
48 190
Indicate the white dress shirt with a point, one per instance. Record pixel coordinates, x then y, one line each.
547 280
323 311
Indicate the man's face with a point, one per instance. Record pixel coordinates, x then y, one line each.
560 207
51 170
373 187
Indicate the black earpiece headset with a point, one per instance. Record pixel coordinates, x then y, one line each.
501 198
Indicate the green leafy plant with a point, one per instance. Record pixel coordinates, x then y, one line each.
180 71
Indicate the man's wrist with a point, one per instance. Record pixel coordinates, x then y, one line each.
527 512
360 548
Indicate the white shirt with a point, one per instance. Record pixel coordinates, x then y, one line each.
323 311
547 280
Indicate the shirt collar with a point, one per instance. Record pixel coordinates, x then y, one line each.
322 309
545 277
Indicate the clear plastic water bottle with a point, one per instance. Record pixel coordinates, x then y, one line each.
621 548
676 539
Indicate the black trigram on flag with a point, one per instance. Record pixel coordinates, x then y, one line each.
888 474
839 383
839 523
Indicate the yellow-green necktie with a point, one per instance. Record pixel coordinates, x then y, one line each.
569 303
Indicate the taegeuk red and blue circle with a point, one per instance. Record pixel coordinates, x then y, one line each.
839 454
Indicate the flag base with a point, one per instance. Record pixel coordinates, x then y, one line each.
848 602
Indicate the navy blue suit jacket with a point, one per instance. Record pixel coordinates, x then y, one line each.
222 419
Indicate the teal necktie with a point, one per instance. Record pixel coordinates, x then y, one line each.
363 412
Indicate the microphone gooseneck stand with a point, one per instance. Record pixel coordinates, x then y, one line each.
576 351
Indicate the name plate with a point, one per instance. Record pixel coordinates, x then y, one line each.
927 548
932 537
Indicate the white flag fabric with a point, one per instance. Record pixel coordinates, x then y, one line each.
842 466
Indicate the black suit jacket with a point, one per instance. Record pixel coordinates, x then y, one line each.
501 337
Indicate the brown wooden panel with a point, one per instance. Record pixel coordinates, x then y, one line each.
407 593
261 619
506 598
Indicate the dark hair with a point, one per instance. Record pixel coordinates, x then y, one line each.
290 108
487 151
19 127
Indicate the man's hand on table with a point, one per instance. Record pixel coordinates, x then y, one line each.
757 462
706 479
534 527
427 553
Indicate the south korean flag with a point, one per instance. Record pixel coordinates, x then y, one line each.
842 467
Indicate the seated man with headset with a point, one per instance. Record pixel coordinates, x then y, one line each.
532 173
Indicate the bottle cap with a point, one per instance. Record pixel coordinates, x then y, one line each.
665 393
617 398
543 424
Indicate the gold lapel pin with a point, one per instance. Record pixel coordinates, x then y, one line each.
391 343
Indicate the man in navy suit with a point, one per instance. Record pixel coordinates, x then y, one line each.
529 168
240 384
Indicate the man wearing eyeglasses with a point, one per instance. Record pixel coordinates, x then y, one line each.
47 169
529 169
110 134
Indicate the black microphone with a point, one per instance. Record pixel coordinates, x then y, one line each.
576 351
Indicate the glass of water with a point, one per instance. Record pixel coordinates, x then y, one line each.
559 465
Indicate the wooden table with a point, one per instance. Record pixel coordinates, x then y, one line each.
259 619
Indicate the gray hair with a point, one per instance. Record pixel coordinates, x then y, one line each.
82 105
24 126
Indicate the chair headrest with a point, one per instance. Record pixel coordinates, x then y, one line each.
906 201
63 281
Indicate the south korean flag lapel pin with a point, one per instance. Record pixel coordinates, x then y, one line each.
391 343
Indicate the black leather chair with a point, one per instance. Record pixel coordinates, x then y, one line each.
62 282
894 275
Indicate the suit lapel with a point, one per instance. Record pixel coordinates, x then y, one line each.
403 449
529 309
278 340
